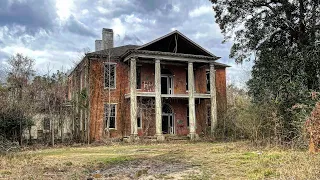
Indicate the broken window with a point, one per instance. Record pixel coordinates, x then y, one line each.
208 116
138 77
208 80
110 115
110 75
46 123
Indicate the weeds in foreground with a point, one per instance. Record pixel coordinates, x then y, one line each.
196 161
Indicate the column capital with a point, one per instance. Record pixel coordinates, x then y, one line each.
211 64
157 60
133 58
190 63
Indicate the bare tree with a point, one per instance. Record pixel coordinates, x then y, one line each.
146 109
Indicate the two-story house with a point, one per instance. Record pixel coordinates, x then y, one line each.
169 86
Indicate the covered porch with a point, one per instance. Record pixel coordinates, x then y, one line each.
189 56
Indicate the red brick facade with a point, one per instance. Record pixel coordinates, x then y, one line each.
90 73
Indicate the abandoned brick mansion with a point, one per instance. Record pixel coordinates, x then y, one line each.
169 86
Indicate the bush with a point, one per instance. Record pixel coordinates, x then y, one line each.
247 120
269 122
12 123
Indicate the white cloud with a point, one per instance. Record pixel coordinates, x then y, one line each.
84 12
64 8
103 10
137 20
132 19
118 27
200 11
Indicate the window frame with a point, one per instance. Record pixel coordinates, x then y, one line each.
115 73
115 115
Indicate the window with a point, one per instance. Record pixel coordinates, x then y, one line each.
208 80
46 123
138 77
110 114
110 75
208 116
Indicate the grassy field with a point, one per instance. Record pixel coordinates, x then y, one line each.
162 161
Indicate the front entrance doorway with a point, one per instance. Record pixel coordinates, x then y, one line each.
167 120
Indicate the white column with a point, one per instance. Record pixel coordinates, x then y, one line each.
158 104
192 112
213 97
133 97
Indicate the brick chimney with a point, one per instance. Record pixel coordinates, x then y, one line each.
98 45
107 38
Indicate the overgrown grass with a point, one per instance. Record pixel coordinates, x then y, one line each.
211 160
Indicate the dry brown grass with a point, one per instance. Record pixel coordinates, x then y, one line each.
192 160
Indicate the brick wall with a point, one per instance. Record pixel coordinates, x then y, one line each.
99 96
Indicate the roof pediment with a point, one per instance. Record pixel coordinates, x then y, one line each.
176 42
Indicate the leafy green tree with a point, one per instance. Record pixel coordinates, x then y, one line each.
282 37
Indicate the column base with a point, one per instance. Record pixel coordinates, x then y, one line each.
193 136
160 137
133 138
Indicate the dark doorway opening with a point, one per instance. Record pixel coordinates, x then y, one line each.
167 120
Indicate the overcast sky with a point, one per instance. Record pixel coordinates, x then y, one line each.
55 32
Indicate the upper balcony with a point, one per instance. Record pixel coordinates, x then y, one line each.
174 80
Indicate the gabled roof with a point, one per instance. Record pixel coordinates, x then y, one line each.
176 42
114 52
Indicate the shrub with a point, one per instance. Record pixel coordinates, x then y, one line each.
12 123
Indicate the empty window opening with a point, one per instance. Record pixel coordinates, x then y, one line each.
110 75
110 115
139 123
